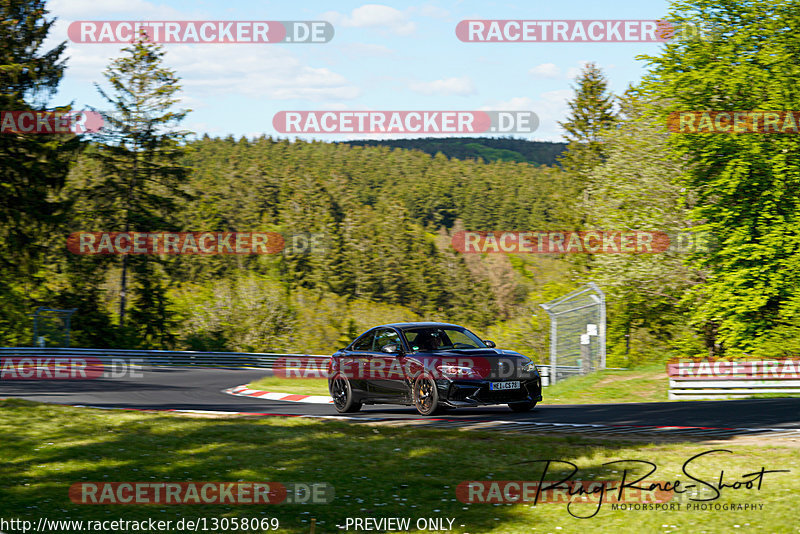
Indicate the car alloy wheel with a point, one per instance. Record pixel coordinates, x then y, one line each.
426 396
342 395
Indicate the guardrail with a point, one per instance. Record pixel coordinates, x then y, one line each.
229 360
544 372
732 379
175 358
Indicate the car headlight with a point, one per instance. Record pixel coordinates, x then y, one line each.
530 367
457 372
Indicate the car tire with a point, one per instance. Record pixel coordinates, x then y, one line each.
425 395
342 394
524 406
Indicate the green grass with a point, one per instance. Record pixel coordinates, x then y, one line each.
377 471
648 383
644 384
302 386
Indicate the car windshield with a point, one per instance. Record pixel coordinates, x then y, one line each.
442 338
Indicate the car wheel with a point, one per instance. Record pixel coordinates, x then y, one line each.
426 396
524 406
342 394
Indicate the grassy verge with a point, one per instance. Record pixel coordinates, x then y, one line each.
641 384
644 384
301 386
377 471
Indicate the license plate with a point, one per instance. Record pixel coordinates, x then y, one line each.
497 386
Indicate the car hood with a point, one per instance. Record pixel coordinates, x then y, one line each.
470 353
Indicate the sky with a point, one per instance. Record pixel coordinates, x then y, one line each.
383 56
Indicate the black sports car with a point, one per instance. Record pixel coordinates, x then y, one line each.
431 366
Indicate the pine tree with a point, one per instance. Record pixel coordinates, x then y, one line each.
33 167
142 170
591 112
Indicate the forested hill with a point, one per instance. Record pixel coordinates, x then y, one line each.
486 148
386 217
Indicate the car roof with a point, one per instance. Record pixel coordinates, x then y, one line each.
403 326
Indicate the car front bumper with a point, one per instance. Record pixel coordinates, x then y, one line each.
457 393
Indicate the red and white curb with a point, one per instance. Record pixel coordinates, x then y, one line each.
244 391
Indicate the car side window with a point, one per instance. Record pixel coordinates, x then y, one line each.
385 337
364 343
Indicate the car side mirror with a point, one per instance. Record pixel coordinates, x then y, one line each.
490 344
391 348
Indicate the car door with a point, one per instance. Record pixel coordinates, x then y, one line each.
355 360
386 374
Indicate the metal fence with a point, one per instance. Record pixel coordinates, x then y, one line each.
718 389
229 360
51 326
577 332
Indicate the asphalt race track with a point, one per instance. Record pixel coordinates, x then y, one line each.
202 389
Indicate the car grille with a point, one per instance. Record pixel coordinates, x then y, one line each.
502 396
461 394
481 392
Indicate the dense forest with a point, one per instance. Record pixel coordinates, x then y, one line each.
386 214
479 148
